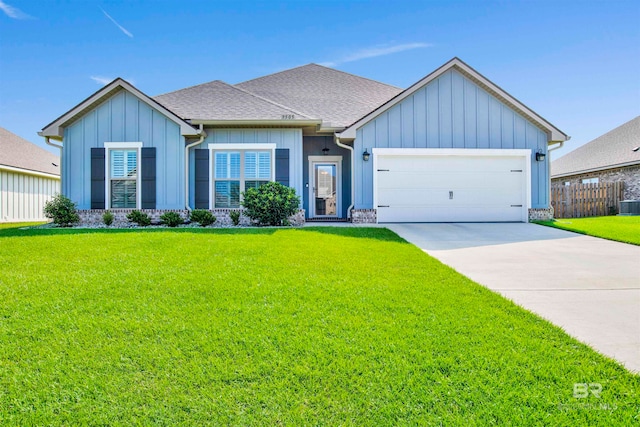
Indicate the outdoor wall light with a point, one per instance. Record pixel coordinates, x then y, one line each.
366 155
540 156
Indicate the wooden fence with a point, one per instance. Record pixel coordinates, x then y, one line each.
582 200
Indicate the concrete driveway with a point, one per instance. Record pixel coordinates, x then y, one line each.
589 287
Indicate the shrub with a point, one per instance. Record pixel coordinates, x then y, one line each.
271 203
140 218
62 211
235 217
172 219
107 218
202 217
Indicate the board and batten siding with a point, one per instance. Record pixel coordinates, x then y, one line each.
23 196
124 118
283 138
450 112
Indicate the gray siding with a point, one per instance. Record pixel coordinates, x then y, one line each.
450 112
23 196
124 118
283 138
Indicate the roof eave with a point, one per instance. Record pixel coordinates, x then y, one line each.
253 122
55 129
598 169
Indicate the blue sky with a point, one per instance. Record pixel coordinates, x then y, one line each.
576 63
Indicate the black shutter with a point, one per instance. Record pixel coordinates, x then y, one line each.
148 177
202 178
282 166
97 178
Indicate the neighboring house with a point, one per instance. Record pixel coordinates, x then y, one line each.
612 157
29 177
452 147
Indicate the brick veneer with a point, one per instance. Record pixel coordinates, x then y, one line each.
93 217
630 175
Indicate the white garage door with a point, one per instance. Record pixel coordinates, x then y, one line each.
469 187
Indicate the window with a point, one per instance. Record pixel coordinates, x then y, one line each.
123 178
590 180
237 170
227 180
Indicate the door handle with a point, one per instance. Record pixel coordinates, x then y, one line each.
450 195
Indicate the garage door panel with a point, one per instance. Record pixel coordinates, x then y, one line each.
446 180
460 214
427 197
456 188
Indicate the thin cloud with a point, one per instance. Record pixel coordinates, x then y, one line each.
13 12
123 29
101 80
375 51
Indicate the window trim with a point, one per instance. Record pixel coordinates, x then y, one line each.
122 146
241 148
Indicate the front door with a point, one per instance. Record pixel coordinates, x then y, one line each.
324 194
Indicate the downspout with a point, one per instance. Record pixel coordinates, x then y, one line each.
560 144
203 135
47 140
353 174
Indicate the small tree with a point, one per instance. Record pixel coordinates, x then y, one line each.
62 211
270 204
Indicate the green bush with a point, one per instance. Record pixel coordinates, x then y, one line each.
172 219
140 218
107 218
271 203
235 217
62 211
202 217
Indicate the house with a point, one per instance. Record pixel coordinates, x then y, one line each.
612 157
29 177
452 147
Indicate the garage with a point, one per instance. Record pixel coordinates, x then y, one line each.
451 185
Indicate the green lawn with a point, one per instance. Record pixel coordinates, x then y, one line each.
325 326
621 228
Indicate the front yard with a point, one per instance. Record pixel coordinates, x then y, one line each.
313 326
620 228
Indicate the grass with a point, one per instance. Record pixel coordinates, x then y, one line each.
7 225
620 228
324 326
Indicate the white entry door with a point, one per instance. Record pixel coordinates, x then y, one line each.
325 188
468 186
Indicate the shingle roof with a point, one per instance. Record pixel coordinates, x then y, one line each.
218 100
334 96
614 148
20 153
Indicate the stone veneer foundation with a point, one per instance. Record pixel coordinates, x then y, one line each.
368 216
93 217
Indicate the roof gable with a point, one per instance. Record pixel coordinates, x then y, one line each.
553 133
19 153
613 149
55 128
336 97
218 100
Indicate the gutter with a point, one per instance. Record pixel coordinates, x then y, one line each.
203 135
353 175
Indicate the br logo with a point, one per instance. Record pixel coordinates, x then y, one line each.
581 390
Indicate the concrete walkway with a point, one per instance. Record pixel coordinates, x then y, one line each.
589 287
